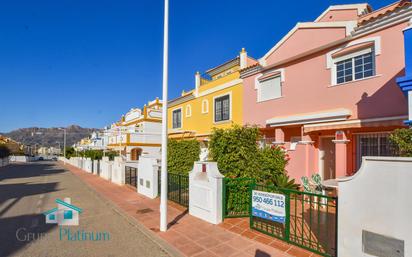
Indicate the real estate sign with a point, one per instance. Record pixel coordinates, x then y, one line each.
270 206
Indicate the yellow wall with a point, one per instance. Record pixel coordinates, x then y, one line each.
203 123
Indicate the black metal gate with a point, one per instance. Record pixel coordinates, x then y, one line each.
131 176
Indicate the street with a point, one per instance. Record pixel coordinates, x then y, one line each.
28 190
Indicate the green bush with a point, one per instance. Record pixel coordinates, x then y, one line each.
4 151
239 156
236 151
402 139
181 154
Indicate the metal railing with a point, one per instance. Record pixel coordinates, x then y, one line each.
236 198
131 176
177 188
310 220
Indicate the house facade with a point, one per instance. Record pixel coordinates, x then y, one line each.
327 90
138 131
216 101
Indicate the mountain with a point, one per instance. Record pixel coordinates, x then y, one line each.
49 136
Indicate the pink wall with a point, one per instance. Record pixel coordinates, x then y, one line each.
301 161
303 40
307 86
340 15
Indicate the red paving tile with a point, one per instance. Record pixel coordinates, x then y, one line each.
187 234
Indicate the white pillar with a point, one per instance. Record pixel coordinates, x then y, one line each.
163 191
205 192
243 58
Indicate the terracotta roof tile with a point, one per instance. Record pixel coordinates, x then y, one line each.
250 67
383 11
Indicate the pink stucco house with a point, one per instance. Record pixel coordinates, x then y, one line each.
327 90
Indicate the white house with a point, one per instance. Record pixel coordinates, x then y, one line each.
138 131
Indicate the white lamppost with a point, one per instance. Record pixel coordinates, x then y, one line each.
64 144
163 188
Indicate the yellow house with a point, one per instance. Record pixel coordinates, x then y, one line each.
216 101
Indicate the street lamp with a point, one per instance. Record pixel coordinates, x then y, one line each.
64 144
163 188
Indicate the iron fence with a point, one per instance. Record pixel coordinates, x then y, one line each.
236 198
131 176
310 220
177 188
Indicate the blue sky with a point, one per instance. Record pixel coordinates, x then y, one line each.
87 62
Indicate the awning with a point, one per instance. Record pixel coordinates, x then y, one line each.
308 118
358 123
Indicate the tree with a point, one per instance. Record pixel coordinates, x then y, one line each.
402 138
4 151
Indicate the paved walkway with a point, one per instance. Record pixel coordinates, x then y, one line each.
188 235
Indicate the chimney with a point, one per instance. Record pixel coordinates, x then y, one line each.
67 200
243 58
197 83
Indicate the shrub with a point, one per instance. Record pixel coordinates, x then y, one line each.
4 151
272 161
239 156
181 155
402 139
236 151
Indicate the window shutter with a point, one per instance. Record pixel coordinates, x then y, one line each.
269 89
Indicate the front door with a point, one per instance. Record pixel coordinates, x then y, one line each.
327 158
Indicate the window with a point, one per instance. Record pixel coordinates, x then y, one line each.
356 67
373 145
205 106
68 215
222 108
52 217
177 118
188 111
269 89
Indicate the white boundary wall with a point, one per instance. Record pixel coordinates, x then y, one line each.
106 168
87 165
4 161
118 174
376 199
147 176
205 192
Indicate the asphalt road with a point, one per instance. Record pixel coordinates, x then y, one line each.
28 190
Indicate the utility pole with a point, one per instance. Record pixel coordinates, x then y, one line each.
163 191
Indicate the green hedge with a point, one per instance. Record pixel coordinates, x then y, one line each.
238 155
181 154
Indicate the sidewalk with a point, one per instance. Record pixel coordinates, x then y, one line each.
188 235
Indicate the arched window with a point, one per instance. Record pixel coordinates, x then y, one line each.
135 153
205 106
188 110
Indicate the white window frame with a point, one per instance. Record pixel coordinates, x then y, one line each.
258 83
352 56
188 111
230 108
181 118
205 106
331 62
